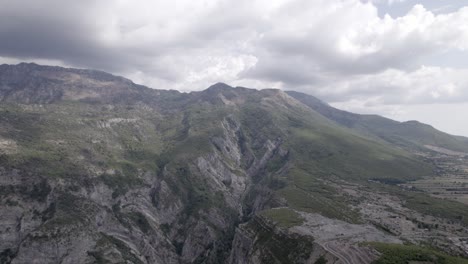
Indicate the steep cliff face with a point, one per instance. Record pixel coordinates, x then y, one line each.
91 173
261 241
183 211
175 210
96 169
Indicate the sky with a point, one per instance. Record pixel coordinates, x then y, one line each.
403 59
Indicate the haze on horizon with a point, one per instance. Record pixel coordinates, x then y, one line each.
403 59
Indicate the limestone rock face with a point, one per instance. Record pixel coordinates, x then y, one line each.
94 168
97 169
260 241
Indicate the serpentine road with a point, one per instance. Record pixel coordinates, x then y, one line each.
346 254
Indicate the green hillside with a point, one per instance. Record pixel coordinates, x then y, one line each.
153 176
411 134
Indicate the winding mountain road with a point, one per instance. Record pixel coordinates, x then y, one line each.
348 254
343 259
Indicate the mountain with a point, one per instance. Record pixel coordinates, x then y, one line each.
408 134
97 169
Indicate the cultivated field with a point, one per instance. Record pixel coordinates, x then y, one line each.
452 180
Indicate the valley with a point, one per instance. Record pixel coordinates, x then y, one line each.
451 179
385 218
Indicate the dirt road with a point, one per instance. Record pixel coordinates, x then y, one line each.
349 254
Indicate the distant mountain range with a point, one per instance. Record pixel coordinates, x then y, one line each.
97 169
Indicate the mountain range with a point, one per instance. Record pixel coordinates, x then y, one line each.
97 169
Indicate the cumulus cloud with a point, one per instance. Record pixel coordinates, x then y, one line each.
164 41
342 50
349 38
389 2
425 85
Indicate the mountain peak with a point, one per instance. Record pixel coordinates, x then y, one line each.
220 86
101 173
33 83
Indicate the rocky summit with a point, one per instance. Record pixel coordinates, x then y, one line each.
97 169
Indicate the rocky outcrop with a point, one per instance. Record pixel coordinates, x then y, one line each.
102 215
261 241
97 169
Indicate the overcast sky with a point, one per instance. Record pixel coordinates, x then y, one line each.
403 59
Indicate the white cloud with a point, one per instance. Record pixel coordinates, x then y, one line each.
341 50
391 2
348 37
425 85
292 41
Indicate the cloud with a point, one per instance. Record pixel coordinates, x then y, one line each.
349 38
389 2
426 85
51 30
339 49
157 38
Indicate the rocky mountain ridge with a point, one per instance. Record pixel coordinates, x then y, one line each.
97 169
